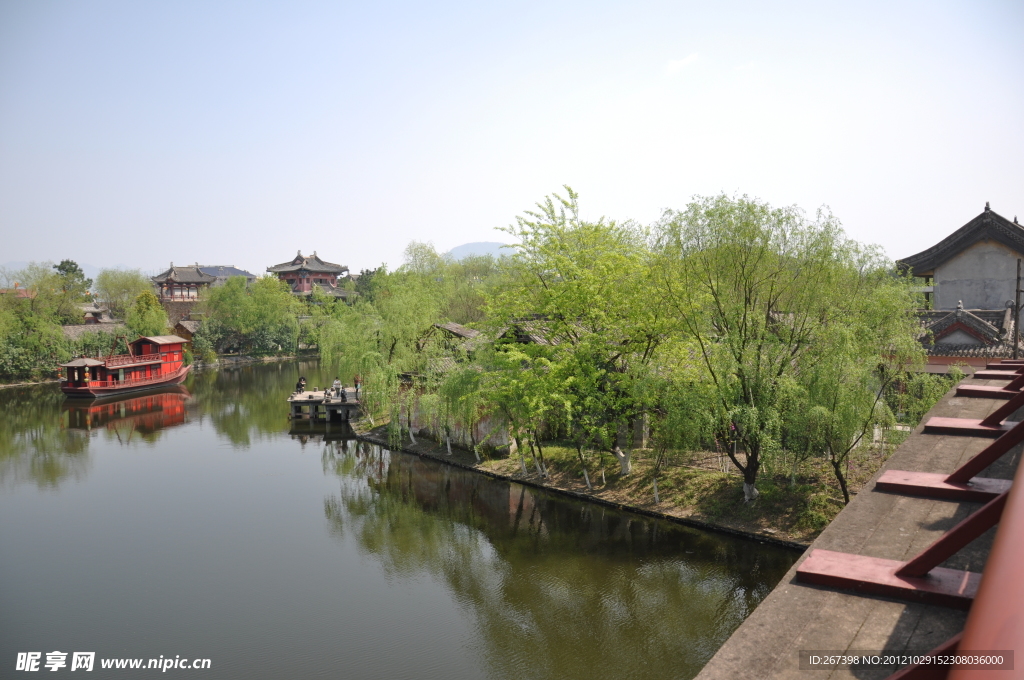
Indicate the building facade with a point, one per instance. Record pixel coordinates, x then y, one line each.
970 281
302 273
975 266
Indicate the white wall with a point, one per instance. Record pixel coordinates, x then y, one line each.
983 276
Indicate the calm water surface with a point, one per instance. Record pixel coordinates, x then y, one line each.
194 523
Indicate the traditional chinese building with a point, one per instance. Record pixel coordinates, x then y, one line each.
975 266
970 280
303 273
182 283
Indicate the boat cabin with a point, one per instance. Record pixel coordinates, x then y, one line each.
150 361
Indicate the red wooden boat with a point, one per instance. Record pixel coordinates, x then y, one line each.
150 362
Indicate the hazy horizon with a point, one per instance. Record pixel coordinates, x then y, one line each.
230 133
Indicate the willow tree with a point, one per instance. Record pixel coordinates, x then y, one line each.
769 296
117 288
580 290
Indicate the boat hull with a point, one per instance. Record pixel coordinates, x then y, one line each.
96 389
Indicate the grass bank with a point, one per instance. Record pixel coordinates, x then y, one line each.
703 488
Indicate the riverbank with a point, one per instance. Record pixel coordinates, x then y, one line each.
759 521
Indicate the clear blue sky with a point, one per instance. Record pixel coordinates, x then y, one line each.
238 132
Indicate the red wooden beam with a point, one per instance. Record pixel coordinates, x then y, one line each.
996 621
937 485
996 375
988 391
962 483
977 523
920 579
969 427
876 576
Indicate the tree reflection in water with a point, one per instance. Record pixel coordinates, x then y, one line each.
44 437
35 446
557 588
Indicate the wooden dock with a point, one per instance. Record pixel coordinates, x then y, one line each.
324 406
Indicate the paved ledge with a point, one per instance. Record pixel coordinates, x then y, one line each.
877 524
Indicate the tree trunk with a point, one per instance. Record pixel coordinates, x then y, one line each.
623 457
583 464
448 443
540 451
837 466
536 461
657 499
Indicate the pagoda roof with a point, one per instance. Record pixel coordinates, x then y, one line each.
189 274
987 225
310 263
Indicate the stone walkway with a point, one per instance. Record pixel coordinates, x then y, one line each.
798 617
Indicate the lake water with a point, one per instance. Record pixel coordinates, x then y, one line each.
192 524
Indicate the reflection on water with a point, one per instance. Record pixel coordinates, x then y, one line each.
141 415
545 577
44 437
289 549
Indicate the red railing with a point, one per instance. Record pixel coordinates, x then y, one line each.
123 383
995 621
125 359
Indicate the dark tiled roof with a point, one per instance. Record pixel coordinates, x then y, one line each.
224 271
311 263
1002 349
986 225
83 361
458 330
189 325
992 327
986 332
189 274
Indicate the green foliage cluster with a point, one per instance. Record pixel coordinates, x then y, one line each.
40 298
729 325
256 320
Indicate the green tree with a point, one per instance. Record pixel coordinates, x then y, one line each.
147 316
258 319
769 297
583 289
118 288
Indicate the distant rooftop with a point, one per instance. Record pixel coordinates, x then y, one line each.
310 263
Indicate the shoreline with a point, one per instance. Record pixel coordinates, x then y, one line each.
438 454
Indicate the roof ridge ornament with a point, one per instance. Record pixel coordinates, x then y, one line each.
987 208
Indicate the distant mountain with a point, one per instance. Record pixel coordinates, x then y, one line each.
480 248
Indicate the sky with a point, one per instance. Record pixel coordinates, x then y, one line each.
141 133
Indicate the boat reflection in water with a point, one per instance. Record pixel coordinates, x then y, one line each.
144 414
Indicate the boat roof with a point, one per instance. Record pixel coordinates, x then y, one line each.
162 339
83 361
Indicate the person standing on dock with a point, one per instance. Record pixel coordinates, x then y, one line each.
337 386
358 382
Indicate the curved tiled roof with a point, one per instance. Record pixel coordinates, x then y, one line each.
988 224
311 263
189 274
